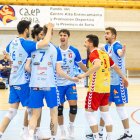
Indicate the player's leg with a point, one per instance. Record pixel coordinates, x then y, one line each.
11 113
62 92
15 97
120 98
36 104
24 132
25 95
38 132
54 121
91 105
105 115
71 95
125 121
52 101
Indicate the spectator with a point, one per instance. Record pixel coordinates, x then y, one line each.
5 68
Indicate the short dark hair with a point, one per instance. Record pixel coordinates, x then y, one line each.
93 39
22 25
36 30
65 31
112 29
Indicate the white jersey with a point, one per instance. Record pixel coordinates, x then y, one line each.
69 57
19 49
43 66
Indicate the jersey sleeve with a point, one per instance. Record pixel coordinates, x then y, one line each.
29 46
93 56
105 48
59 56
29 56
78 56
116 47
7 48
111 62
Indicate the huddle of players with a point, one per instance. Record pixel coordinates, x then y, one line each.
52 78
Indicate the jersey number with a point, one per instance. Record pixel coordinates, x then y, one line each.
43 53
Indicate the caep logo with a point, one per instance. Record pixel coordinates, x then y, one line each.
7 14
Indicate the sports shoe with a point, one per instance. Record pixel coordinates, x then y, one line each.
100 136
0 137
89 136
39 135
30 138
24 135
71 131
63 134
125 137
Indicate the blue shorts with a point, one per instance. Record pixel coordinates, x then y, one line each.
118 94
68 92
38 94
19 93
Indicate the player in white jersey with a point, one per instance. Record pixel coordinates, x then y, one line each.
37 35
18 50
118 93
45 63
67 88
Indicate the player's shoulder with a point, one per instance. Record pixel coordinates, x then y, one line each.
117 44
74 49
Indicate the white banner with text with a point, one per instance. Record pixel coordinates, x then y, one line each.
75 18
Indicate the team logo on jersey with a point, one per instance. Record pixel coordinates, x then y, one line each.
115 91
7 14
70 55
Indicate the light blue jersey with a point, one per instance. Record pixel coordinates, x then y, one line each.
43 66
69 57
119 61
118 92
18 50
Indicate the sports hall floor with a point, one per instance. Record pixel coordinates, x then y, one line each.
81 127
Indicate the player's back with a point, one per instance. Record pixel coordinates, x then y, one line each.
119 61
18 57
43 67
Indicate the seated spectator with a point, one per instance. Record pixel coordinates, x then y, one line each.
5 67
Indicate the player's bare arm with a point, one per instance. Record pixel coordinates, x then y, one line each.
95 67
61 73
47 37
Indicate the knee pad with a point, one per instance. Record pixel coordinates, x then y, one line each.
122 112
60 110
73 109
107 118
11 113
91 118
29 111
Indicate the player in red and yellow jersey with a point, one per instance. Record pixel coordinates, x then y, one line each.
99 86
